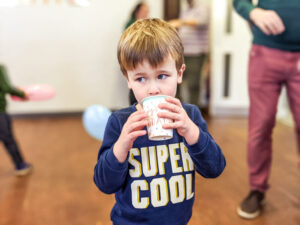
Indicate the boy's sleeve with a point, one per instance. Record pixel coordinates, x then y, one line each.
6 85
109 174
243 7
206 154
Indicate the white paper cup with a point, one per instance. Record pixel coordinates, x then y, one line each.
154 127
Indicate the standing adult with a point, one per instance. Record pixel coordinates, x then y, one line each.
6 133
193 28
140 11
274 63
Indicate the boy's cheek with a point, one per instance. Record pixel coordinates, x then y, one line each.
129 84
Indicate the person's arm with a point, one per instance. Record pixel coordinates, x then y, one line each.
267 21
201 18
109 174
6 85
206 154
243 7
112 166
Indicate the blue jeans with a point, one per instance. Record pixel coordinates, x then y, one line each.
6 136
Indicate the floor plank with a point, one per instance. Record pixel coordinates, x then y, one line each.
61 191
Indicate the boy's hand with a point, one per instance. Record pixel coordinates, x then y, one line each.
132 129
181 121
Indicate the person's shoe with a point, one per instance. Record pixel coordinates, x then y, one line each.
23 169
251 206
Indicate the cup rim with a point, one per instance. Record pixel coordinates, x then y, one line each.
153 97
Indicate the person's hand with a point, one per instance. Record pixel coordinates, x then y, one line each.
175 23
132 129
267 20
26 97
181 121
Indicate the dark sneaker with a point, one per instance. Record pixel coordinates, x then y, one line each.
251 207
23 169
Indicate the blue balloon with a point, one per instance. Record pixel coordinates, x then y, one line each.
95 119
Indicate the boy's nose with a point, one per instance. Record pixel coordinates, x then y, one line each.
153 89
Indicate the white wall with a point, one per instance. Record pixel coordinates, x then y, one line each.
284 114
70 48
74 50
237 43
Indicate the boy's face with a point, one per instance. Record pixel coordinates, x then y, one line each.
146 80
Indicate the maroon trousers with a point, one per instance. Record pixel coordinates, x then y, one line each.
269 70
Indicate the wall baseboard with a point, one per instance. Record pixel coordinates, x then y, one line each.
50 114
47 114
287 120
222 111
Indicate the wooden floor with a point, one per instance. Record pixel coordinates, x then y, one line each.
61 191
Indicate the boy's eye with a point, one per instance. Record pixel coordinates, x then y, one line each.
162 76
141 79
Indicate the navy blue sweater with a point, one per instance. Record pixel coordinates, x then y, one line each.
156 184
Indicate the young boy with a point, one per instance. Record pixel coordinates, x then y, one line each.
6 135
154 181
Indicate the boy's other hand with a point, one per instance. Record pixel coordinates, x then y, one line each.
181 121
132 129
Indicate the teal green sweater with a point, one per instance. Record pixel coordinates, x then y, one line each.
7 88
288 11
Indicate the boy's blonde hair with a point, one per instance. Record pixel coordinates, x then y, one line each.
152 40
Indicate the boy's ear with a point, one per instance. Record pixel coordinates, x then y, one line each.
180 74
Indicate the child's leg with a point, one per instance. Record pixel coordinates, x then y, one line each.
10 144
